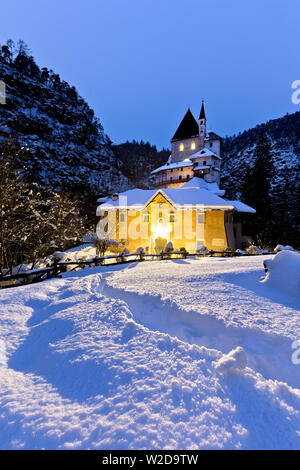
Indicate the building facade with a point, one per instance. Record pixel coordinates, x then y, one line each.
189 217
194 153
187 208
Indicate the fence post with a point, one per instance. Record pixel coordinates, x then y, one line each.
55 269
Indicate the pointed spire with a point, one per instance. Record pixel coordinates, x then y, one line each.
187 128
202 112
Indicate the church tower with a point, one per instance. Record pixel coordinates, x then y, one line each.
202 124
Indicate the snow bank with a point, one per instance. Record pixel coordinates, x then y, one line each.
82 368
284 273
283 248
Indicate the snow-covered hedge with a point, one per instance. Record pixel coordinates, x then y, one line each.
169 247
254 250
202 249
284 273
283 248
140 251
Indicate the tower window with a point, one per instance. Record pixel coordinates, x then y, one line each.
181 147
193 145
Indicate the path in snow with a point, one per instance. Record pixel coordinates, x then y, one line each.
268 351
78 368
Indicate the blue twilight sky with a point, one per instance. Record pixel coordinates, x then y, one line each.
140 63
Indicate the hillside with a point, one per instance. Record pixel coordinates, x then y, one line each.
238 158
284 134
138 159
67 146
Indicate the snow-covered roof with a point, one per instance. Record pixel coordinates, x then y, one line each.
102 199
170 166
200 183
242 207
205 152
140 198
201 167
197 197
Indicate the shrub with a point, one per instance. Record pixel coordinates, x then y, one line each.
169 247
160 244
201 249
254 250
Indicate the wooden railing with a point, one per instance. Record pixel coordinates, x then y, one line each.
57 268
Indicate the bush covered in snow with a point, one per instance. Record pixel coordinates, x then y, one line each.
284 273
202 249
125 252
254 250
283 248
241 252
140 250
169 247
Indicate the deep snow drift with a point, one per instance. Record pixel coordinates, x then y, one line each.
172 354
284 273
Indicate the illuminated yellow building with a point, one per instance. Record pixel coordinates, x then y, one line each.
189 217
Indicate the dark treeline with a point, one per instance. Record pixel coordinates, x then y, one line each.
138 159
261 166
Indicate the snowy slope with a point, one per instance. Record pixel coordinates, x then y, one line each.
150 356
66 143
284 137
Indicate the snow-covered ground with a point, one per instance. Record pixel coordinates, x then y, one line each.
182 354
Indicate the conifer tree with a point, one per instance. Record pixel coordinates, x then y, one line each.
256 190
